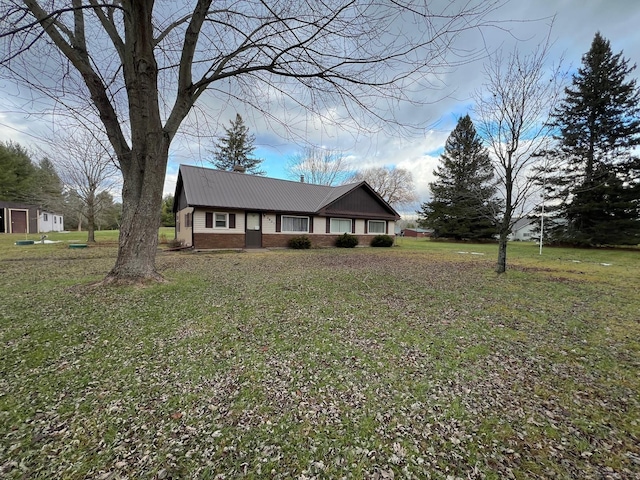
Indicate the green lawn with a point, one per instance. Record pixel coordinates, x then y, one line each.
410 362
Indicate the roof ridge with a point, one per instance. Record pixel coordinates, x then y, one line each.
257 176
326 200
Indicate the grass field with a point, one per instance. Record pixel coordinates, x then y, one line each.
411 362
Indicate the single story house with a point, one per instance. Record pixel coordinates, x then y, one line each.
523 230
219 209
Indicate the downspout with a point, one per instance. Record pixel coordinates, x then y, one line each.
193 239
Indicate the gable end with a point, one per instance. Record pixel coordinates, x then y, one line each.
360 203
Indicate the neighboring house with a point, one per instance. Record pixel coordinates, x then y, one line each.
50 222
416 232
220 209
24 218
523 229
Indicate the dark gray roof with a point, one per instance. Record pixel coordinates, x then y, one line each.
523 222
205 187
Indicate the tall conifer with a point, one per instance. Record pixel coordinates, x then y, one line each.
234 150
463 201
596 190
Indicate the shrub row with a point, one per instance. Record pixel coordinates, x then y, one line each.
344 241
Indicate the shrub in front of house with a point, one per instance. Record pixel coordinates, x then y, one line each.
346 241
300 243
382 241
174 243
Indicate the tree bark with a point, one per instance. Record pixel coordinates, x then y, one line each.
141 202
144 166
501 265
91 218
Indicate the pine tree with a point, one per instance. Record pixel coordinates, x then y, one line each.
48 186
596 190
463 203
233 151
17 173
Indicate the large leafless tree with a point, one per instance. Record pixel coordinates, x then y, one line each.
513 110
88 170
318 165
140 67
395 185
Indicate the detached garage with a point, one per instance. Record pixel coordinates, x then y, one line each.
24 218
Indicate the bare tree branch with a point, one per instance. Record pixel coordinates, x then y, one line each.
514 109
318 165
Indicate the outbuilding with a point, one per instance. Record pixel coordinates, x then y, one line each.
16 217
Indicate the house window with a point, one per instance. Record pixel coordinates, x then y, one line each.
377 226
45 217
187 220
295 224
340 225
221 220
55 220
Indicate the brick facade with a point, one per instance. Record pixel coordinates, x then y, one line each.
213 241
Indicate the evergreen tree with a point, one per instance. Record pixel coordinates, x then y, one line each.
167 218
463 203
233 151
48 186
596 191
17 173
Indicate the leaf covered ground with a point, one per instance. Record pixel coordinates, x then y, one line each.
410 362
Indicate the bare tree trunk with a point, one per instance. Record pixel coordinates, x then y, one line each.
144 166
501 266
91 235
91 218
142 200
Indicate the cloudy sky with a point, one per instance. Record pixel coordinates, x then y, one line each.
525 23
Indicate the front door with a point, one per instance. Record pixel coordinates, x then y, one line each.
253 231
18 221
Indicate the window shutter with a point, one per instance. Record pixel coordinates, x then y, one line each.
328 225
310 224
386 227
353 225
366 226
278 223
232 220
208 220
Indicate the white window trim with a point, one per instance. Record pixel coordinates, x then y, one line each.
215 220
293 231
342 220
384 227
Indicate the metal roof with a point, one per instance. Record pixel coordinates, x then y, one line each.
206 187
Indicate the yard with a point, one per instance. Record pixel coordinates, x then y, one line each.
410 362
